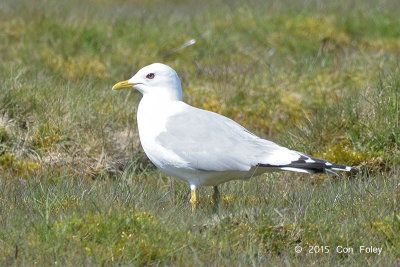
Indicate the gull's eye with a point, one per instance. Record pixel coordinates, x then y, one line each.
150 76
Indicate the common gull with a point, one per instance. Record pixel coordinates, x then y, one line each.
201 147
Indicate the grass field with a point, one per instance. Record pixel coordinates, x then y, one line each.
321 77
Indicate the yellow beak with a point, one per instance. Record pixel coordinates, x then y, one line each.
121 85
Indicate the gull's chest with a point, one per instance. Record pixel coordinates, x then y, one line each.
151 120
152 117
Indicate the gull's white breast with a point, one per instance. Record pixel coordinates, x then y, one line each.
152 117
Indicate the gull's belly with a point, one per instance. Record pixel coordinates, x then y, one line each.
211 178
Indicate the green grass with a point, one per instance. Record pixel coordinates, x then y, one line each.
77 189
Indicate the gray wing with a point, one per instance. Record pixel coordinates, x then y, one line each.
211 142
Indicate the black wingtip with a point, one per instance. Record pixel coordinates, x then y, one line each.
315 166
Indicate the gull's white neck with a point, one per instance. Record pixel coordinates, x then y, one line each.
158 103
161 94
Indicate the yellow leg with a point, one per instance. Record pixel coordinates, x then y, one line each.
193 197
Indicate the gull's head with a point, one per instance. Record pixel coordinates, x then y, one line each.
156 80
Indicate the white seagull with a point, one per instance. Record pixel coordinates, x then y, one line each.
202 147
